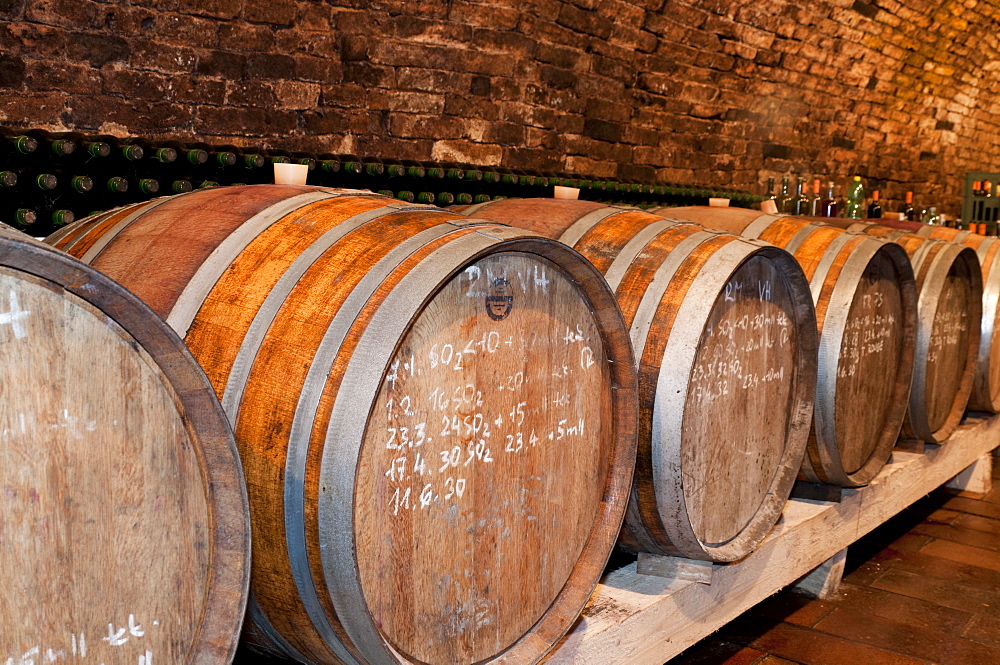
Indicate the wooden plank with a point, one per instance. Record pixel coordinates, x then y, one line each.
978 477
644 619
823 582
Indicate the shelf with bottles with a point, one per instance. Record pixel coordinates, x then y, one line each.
123 170
857 198
981 200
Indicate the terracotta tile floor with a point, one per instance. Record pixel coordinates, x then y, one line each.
922 588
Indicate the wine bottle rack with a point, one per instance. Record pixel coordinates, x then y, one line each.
49 179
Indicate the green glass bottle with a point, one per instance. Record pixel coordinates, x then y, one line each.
855 208
18 216
17 143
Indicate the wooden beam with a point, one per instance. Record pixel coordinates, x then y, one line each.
977 477
823 582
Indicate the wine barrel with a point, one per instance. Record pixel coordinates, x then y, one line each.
865 297
724 334
436 415
986 383
950 310
124 528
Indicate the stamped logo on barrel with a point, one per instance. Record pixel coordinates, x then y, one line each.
499 302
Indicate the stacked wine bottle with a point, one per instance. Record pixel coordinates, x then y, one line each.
48 179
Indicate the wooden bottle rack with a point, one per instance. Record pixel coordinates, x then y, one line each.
635 619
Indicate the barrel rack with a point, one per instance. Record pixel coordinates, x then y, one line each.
635 619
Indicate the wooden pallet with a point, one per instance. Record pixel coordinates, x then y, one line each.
637 619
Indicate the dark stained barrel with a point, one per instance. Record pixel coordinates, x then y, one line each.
724 335
436 415
124 525
865 297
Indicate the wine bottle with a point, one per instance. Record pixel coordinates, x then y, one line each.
17 143
772 195
181 186
414 169
472 173
908 211
830 202
58 217
50 146
855 199
18 216
464 199
8 180
875 208
87 148
445 198
123 151
405 195
247 168
154 154
783 200
426 198
393 168
800 204
433 170
306 159
816 200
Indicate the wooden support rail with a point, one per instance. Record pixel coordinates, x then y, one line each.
637 619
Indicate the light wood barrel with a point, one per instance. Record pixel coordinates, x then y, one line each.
986 384
436 415
124 527
865 297
724 335
950 310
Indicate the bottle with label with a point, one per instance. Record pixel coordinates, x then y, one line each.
830 207
908 211
800 203
875 208
815 200
855 199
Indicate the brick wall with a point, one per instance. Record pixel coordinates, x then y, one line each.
722 92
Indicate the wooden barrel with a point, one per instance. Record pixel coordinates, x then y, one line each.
436 415
865 298
724 335
950 310
986 384
124 529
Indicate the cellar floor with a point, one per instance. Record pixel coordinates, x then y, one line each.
922 588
